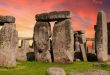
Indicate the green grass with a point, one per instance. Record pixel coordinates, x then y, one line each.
39 68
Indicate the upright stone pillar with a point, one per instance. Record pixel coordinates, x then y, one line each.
76 42
108 27
8 41
83 45
42 33
77 53
101 38
93 46
22 52
62 42
82 38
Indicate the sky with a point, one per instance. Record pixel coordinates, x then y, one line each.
84 13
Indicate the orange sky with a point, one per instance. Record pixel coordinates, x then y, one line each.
84 12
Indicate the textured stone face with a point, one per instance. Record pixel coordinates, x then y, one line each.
76 42
81 36
42 33
7 19
22 52
108 27
80 45
83 52
8 45
62 42
101 38
54 16
55 71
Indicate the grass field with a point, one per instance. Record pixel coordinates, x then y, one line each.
39 68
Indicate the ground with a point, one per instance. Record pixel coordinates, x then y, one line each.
39 68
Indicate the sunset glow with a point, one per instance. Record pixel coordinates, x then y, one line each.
84 12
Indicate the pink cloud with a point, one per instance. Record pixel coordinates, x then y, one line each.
84 12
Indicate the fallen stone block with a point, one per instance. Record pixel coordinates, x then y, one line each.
55 71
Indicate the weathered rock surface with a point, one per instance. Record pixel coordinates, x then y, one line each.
108 28
101 38
62 42
54 16
22 52
42 33
55 71
76 42
93 46
109 57
95 72
81 32
6 19
81 36
8 45
80 42
83 52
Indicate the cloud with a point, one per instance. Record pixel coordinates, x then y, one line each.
84 11
98 1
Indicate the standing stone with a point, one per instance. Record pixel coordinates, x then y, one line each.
8 45
77 53
108 27
62 42
25 44
42 33
101 38
82 38
93 46
83 52
83 45
22 52
76 42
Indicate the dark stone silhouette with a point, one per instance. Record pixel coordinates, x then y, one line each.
54 16
30 56
6 19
